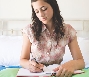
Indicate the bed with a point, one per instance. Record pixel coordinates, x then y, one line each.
11 44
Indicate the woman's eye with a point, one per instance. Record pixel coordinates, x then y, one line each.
44 9
36 11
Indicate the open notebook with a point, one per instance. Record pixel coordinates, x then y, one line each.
47 71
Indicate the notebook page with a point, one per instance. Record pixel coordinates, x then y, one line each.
48 69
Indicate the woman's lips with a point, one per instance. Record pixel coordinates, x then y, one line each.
43 19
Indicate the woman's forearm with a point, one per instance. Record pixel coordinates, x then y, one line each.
25 63
77 64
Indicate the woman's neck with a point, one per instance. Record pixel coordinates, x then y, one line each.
50 27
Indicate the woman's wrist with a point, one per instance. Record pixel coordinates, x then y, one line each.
25 63
76 64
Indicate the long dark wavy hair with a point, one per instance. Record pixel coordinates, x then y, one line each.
57 20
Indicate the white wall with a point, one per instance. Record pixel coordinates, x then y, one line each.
20 9
74 9
14 13
15 9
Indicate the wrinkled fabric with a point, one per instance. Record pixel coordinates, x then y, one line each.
47 51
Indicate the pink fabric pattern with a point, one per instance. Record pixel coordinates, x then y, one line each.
47 51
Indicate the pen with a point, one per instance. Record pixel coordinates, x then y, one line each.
52 74
36 62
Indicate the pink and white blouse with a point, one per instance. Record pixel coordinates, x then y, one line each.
48 51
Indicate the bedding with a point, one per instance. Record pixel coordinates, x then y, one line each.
10 49
84 47
9 72
12 72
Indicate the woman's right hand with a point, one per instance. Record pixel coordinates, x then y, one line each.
35 67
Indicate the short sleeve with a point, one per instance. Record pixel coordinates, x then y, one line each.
70 32
28 31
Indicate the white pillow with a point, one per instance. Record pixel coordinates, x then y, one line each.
84 47
10 49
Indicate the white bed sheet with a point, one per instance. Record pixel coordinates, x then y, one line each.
10 50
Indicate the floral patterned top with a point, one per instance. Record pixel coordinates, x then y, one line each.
48 51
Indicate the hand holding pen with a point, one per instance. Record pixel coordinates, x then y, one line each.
35 66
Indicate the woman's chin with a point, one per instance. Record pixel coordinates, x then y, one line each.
44 22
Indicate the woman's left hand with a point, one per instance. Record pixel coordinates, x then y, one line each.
64 70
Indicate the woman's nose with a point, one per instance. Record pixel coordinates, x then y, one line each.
41 14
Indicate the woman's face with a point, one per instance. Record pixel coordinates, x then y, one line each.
43 11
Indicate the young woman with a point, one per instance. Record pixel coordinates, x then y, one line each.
46 39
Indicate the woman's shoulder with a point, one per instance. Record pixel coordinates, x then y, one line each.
70 31
28 26
67 25
27 29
